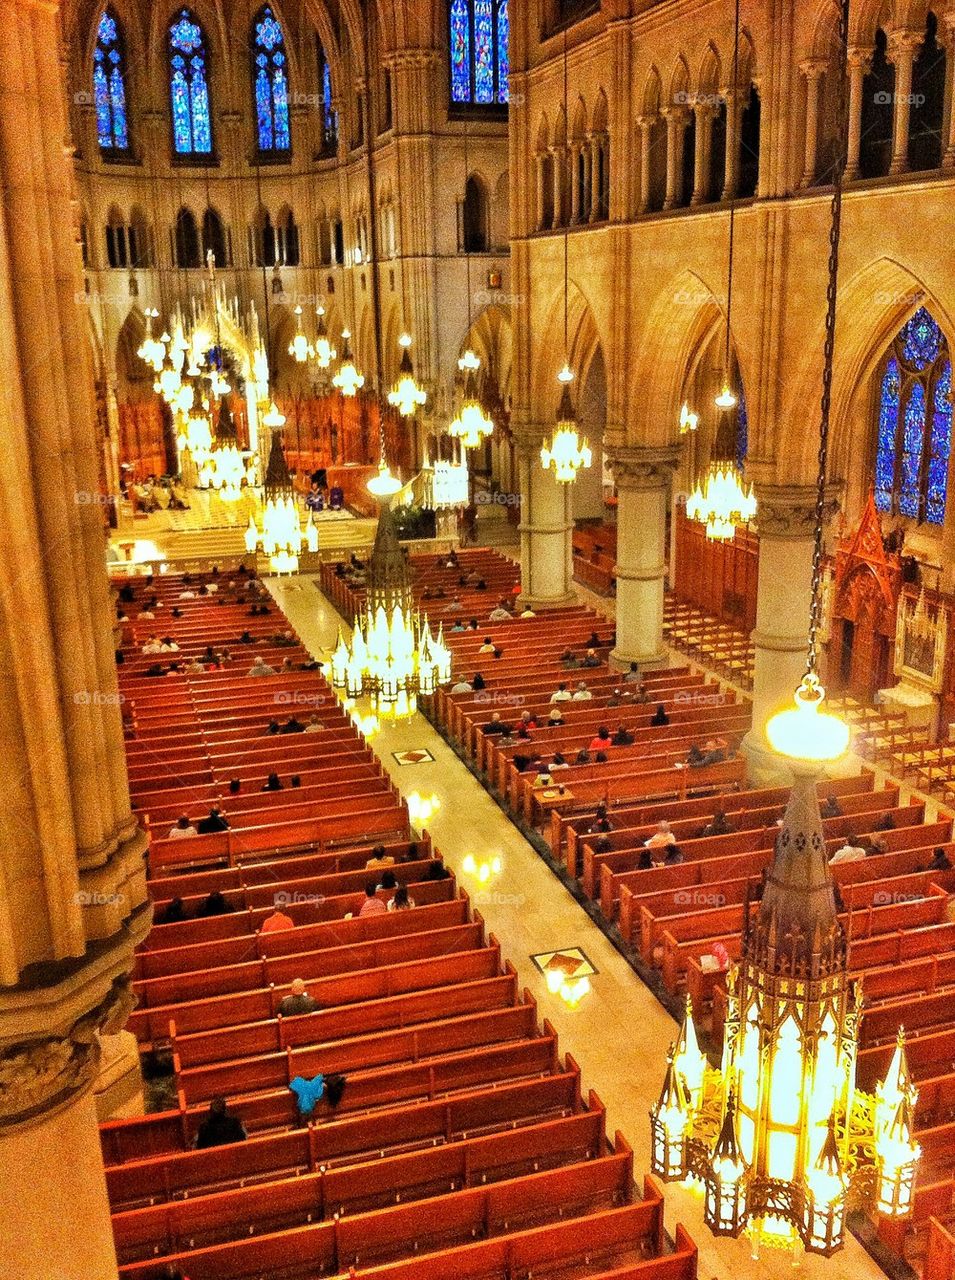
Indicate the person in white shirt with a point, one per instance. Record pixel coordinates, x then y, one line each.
661 838
195 666
187 595
152 645
260 668
848 853
314 724
168 645
181 829
582 693
561 695
461 686
500 614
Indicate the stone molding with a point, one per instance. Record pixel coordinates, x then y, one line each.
44 1074
789 511
643 468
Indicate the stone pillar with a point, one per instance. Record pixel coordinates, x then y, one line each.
948 159
859 62
72 876
676 118
643 479
559 155
731 169
576 194
786 521
646 125
587 186
903 46
545 528
539 175
813 70
704 113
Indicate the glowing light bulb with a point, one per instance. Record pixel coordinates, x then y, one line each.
805 732
726 398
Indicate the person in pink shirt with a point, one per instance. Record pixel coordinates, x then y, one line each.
373 905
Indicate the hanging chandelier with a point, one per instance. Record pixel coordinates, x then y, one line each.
688 421
726 398
406 396
348 380
472 426
393 657
152 350
567 450
281 535
300 349
446 485
722 501
325 353
226 471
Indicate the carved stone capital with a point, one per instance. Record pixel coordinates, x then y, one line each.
859 58
41 1075
643 468
904 45
789 511
813 68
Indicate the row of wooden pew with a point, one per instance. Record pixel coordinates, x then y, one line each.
462 1144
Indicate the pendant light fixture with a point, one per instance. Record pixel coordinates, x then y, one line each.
347 379
325 353
721 500
567 450
300 349
470 425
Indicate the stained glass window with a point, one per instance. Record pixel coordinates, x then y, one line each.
479 31
270 82
189 86
914 434
742 430
329 115
109 86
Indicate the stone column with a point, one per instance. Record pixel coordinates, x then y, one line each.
72 876
731 170
599 159
643 478
786 521
587 187
646 125
903 46
545 528
539 175
813 70
704 112
559 155
948 159
859 63
576 193
676 118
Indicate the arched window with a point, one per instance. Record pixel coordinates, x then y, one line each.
749 127
878 112
474 217
479 35
189 87
187 240
270 83
928 101
329 117
287 252
213 238
914 434
109 86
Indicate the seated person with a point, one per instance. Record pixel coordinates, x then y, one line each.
373 905
461 686
830 807
581 693
487 646
277 922
172 913
477 681
659 717
661 838
583 756
498 614
601 823
543 778
591 660
601 739
561 694
215 904
558 762
496 726
623 737
183 828
554 717
940 861
379 859
272 783
293 725
215 822
401 901
673 856
297 1001
219 1127
719 826
633 675
849 852
568 660
645 861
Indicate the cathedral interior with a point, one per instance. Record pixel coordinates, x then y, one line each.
550 407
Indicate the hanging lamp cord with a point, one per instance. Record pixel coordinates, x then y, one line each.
835 228
732 236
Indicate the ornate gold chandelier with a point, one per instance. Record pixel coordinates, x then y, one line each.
567 450
282 535
227 471
471 425
325 353
780 1137
447 485
394 656
406 395
722 501
348 380
300 349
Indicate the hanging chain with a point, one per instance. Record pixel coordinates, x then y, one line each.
737 116
835 226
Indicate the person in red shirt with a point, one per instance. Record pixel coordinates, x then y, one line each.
373 905
276 921
602 740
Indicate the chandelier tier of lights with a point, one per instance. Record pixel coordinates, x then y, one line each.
566 451
406 395
300 349
281 533
394 657
471 425
347 378
227 470
446 485
325 353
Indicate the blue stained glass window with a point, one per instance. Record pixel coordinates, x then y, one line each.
479 33
270 73
885 449
189 86
329 116
742 430
915 423
921 340
940 446
109 86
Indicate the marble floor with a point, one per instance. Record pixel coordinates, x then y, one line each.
619 1033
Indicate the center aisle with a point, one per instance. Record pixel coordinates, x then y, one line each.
620 1031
